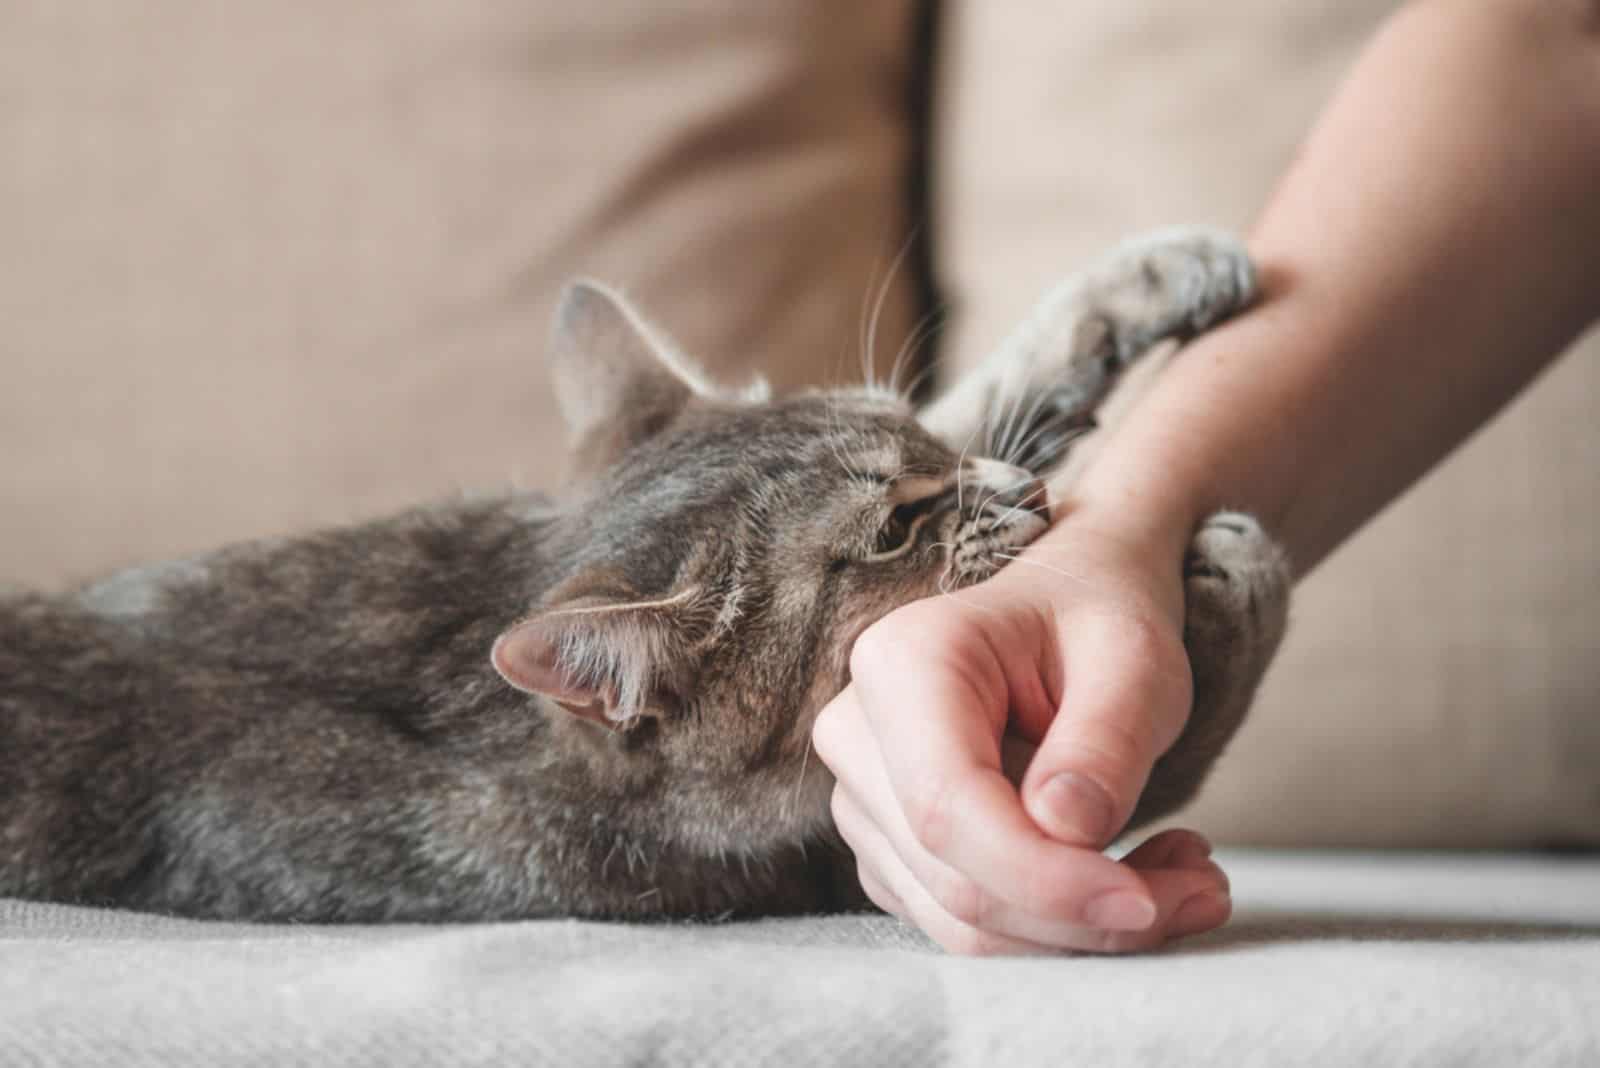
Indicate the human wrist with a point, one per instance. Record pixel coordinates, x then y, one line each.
1146 504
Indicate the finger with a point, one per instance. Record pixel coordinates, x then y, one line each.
1190 901
1203 912
1210 905
1187 902
1174 848
942 765
1191 896
1126 698
879 893
869 819
893 887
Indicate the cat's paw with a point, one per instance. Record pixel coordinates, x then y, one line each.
1197 275
1236 583
1236 589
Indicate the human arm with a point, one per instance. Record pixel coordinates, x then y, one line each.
1432 247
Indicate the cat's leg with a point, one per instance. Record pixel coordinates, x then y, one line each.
1236 588
1027 402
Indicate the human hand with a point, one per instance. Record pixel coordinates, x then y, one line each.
1071 656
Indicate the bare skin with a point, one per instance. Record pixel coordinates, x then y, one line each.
1434 246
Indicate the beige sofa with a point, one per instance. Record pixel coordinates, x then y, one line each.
269 265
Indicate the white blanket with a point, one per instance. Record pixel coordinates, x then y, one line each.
1332 959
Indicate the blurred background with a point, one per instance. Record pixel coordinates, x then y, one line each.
269 265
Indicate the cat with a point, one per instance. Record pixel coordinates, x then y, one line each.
596 704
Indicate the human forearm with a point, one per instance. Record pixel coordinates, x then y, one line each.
1436 242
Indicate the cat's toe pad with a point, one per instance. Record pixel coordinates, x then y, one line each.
1234 569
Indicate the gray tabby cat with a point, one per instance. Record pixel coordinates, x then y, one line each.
597 705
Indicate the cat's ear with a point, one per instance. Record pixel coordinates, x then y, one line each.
604 656
618 378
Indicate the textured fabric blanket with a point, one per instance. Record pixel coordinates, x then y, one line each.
1333 959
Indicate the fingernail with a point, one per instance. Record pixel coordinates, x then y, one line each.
1120 910
1075 807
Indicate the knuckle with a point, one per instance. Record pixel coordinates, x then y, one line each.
876 890
930 813
963 900
850 822
903 637
876 647
825 733
838 805
1111 752
1121 741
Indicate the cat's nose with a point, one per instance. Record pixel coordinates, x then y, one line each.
1028 497
1005 488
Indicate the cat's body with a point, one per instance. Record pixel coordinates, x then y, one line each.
312 729
597 704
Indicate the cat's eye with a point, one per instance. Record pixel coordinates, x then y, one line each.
900 527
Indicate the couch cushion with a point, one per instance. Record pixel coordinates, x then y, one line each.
1331 960
1439 683
275 264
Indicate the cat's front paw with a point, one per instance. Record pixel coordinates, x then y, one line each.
1198 275
1236 582
1236 590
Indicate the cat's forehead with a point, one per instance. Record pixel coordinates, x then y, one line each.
875 429
825 446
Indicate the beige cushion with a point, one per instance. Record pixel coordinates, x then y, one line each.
1442 677
281 263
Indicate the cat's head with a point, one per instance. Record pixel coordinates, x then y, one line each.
730 548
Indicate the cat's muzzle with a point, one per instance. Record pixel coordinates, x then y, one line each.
1030 497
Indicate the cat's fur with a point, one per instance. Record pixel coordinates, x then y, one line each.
596 705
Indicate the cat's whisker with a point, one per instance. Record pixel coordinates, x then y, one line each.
1013 448
961 463
870 341
835 379
1009 424
1014 451
833 437
799 783
996 493
923 326
926 327
1035 563
946 591
910 392
978 511
861 318
1000 429
948 576
841 452
1028 498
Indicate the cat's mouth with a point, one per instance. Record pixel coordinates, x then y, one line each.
979 543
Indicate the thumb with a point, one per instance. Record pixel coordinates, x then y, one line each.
1125 698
